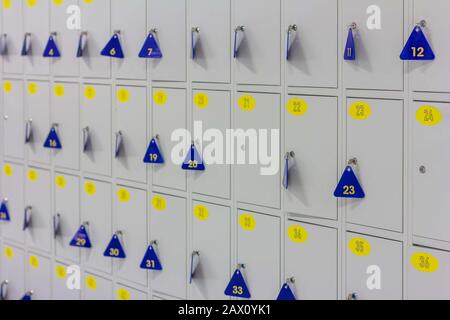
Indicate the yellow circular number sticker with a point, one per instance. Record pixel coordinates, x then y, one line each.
201 100
247 103
90 188
123 294
123 195
7 170
31 3
247 222
32 175
159 203
297 107
60 182
359 247
90 92
32 88
429 116
7 4
425 262
34 262
298 234
201 212
91 282
58 2
160 97
59 90
360 110
7 86
60 272
88 1
9 253
123 95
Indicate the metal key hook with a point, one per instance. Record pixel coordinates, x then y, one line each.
4 290
422 23
240 28
353 26
154 30
289 155
195 29
353 162
292 27
241 266
154 243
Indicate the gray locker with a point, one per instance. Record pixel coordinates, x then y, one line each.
169 18
212 61
38 196
131 122
12 18
380 162
126 293
14 190
95 129
96 205
96 21
38 277
168 229
131 219
37 110
60 279
378 46
212 108
311 258
169 114
67 206
13 115
36 22
430 173
313 57
210 221
374 268
97 288
129 17
257 111
13 270
65 104
259 57
311 129
262 266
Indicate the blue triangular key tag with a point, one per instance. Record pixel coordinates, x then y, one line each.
290 38
4 211
81 239
113 48
27 296
153 154
82 42
349 186
195 37
53 141
195 262
350 49
237 286
417 47
51 50
193 161
286 293
26 45
114 248
151 260
286 170
151 48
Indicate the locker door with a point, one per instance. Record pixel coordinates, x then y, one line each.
311 133
36 22
37 196
38 277
213 273
169 18
212 61
65 112
96 119
212 109
258 111
60 281
96 210
169 114
131 122
67 39
96 21
312 259
37 106
129 18
430 173
262 267
378 45
131 219
313 55
127 293
13 28
380 162
432 75
13 118
168 228
13 270
258 61
374 268
13 189
97 288
67 206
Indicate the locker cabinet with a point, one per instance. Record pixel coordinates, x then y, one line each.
38 196
14 190
168 229
212 108
311 129
313 55
126 293
374 268
169 19
212 61
12 17
13 118
258 60
95 129
380 162
38 276
210 221
130 122
257 111
131 219
97 288
378 40
169 114
128 17
62 276
13 270
311 258
262 266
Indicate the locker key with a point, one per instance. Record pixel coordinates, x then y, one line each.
286 291
352 296
153 154
115 248
349 186
151 48
195 36
82 42
113 48
4 45
86 139
237 287
26 45
350 49
291 35
118 144
27 296
239 34
287 157
28 131
423 170
4 290
51 49
81 238
417 47
56 225
53 141
27 218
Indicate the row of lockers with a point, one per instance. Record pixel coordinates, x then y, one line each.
314 52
